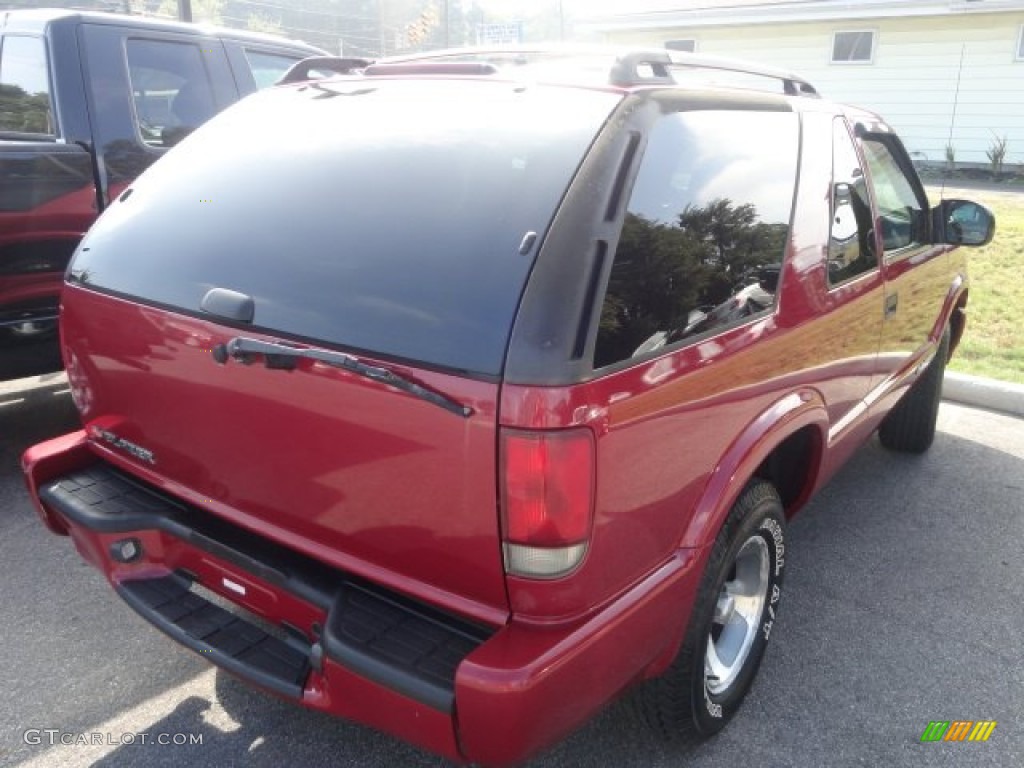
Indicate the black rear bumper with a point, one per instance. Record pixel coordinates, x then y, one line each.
396 641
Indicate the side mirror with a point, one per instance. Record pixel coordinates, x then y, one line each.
768 278
961 222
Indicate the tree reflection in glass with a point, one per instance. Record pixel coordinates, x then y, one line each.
719 264
22 112
702 242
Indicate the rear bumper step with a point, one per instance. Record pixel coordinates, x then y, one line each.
227 640
407 646
368 653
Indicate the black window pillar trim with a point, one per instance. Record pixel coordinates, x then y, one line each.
552 342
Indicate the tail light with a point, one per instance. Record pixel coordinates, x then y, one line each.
547 500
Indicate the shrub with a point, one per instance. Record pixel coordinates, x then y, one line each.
996 155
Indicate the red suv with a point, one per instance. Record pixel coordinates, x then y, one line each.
459 395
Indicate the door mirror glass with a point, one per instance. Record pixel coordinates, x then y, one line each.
967 223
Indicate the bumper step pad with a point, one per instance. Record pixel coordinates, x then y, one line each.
407 646
223 638
103 500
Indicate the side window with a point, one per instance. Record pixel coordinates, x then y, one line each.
170 88
902 215
705 232
24 87
850 249
267 68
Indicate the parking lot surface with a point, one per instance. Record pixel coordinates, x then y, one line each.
904 604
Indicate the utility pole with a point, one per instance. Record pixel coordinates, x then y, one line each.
447 26
185 10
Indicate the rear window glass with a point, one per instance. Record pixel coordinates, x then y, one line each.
379 216
24 87
705 232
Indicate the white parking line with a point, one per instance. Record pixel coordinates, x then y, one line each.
86 748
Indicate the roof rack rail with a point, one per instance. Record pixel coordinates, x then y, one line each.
652 66
468 68
792 84
630 69
301 71
617 67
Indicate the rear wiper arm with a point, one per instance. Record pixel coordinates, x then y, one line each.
284 357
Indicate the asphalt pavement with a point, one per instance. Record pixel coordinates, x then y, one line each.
902 605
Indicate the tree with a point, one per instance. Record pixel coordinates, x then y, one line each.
263 22
202 10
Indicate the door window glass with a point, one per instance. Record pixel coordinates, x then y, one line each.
267 68
902 215
850 247
171 90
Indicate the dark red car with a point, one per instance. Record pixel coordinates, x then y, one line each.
459 397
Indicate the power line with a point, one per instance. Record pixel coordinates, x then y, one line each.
293 9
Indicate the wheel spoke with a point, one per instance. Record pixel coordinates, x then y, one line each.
730 642
745 588
737 612
714 669
748 606
724 608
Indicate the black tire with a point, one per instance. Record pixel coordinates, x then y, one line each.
29 332
910 426
686 703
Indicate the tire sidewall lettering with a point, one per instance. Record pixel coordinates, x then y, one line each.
778 539
770 529
777 547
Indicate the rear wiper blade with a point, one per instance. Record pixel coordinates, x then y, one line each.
284 357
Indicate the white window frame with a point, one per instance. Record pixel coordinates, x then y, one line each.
855 62
1020 44
682 40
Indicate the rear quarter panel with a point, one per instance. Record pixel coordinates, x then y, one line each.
678 436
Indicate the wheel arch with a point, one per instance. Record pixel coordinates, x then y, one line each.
784 445
957 320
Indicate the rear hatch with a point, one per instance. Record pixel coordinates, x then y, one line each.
380 235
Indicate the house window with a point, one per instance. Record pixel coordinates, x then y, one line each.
690 46
853 47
